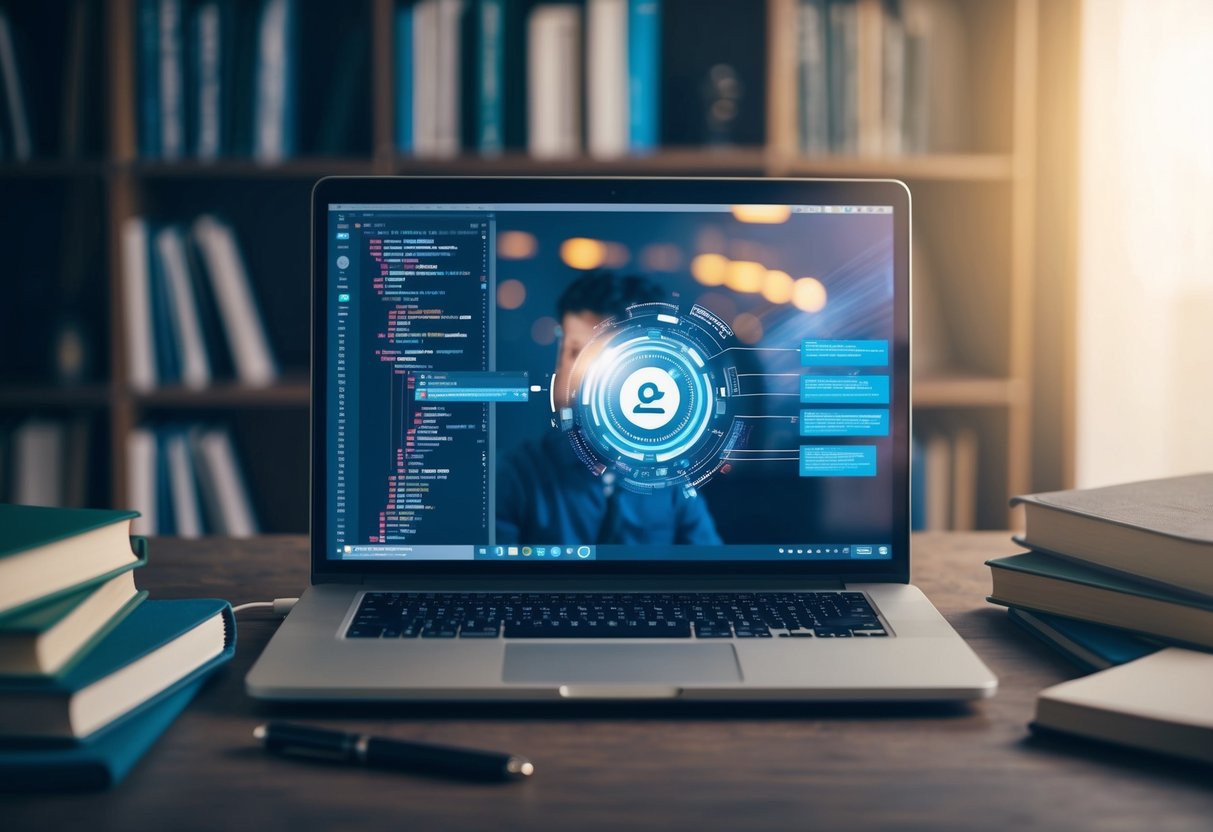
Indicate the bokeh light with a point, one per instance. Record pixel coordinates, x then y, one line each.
511 294
763 214
748 328
583 253
543 331
710 269
661 257
516 245
777 286
745 276
617 255
808 294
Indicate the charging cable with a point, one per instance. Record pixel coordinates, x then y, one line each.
279 606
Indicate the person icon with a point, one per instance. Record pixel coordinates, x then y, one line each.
545 492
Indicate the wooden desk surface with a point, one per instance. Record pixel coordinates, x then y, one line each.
626 767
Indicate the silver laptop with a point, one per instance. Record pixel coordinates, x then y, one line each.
596 439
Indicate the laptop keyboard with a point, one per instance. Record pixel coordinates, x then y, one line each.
818 614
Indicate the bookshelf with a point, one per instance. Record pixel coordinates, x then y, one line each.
975 212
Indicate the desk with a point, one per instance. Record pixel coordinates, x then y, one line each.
625 768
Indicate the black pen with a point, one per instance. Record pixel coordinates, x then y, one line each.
379 752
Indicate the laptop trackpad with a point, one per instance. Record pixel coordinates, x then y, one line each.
632 663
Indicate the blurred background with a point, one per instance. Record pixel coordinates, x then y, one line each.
156 159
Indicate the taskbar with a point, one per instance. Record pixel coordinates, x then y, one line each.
514 552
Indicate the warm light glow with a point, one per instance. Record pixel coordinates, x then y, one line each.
583 253
516 245
763 214
745 276
777 287
661 257
710 269
511 294
748 328
543 331
617 255
808 294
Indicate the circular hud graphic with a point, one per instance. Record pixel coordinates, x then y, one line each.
654 399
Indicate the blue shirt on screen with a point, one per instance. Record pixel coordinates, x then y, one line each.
546 495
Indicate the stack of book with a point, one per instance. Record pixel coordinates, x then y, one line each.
90 671
1121 575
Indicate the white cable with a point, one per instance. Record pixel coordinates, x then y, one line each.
279 606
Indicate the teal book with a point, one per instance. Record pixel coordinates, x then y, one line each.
1044 583
49 552
1090 646
44 639
157 649
100 763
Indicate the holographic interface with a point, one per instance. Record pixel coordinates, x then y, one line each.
655 400
554 382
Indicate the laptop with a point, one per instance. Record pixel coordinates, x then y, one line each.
600 439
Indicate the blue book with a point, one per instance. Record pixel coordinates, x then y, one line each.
644 75
168 363
148 79
1090 646
159 648
100 763
490 77
404 79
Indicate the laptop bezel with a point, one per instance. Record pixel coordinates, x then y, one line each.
462 190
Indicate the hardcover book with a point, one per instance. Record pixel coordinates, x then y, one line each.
156 650
1161 530
1044 583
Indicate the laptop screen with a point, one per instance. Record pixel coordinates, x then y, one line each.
587 382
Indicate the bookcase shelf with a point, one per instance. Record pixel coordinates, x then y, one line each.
975 216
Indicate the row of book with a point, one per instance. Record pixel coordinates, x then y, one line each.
45 461
91 671
944 485
606 78
1120 579
880 77
187 480
191 312
220 78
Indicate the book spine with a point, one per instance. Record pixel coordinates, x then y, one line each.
644 74
490 139
209 116
195 367
172 81
136 292
167 351
448 79
273 80
404 79
182 485
607 78
813 78
425 84
38 459
149 79
553 81
141 472
18 116
217 461
233 293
